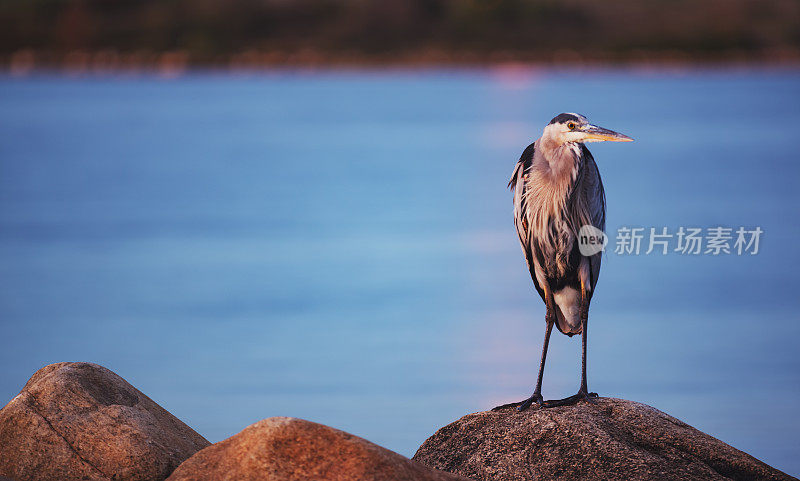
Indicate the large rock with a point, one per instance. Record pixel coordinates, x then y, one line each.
76 420
289 449
602 440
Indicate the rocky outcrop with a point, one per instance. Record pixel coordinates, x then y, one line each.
75 420
608 439
80 421
288 449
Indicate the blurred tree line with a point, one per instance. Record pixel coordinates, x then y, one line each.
216 31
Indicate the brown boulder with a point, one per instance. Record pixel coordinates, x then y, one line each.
289 449
75 420
608 439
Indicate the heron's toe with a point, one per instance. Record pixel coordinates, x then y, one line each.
522 405
569 401
536 398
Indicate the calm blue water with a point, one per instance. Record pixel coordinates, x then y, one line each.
339 246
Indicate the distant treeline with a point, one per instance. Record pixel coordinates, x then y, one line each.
221 32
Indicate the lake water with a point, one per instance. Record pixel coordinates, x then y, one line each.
338 246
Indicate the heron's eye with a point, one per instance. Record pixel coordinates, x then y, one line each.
571 125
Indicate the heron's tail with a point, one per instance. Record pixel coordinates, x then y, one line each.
568 308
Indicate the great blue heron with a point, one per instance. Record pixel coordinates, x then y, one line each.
557 191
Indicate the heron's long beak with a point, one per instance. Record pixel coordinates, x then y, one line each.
599 134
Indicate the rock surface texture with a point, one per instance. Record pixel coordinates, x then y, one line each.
75 420
608 439
289 449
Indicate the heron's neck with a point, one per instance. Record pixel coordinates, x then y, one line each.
554 175
564 161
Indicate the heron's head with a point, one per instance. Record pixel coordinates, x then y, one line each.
575 128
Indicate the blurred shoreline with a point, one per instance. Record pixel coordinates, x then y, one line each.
170 37
176 63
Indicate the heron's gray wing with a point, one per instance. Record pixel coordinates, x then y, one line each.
596 196
517 185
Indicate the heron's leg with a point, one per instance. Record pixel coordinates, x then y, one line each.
536 397
583 392
584 331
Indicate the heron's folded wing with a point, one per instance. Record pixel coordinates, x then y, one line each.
597 207
517 185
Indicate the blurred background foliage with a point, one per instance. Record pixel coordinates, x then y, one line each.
221 32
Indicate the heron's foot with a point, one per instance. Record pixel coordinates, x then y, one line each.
569 401
536 398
